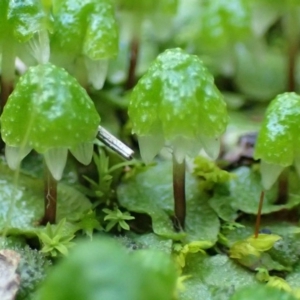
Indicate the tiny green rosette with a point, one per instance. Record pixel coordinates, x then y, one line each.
49 112
177 103
278 142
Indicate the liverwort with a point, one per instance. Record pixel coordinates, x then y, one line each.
85 37
177 104
49 112
24 26
223 23
278 141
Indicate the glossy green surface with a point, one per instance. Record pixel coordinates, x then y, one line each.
279 140
48 109
177 96
224 22
26 17
87 27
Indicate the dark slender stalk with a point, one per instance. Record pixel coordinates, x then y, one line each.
134 50
292 35
179 193
283 188
6 89
8 70
50 197
258 217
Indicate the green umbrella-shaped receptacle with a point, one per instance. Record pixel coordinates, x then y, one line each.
177 104
278 141
51 113
24 26
223 23
85 32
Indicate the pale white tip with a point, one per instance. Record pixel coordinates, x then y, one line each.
211 146
14 155
56 159
97 71
83 152
269 174
150 146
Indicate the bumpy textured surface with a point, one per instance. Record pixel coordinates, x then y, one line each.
178 92
177 101
224 22
87 27
48 109
23 17
279 139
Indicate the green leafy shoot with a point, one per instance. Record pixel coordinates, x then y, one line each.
88 223
194 247
103 188
252 252
274 281
210 173
55 239
262 275
116 218
232 225
279 283
253 246
263 242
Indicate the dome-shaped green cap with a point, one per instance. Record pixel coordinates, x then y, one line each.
49 109
278 141
177 101
51 113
